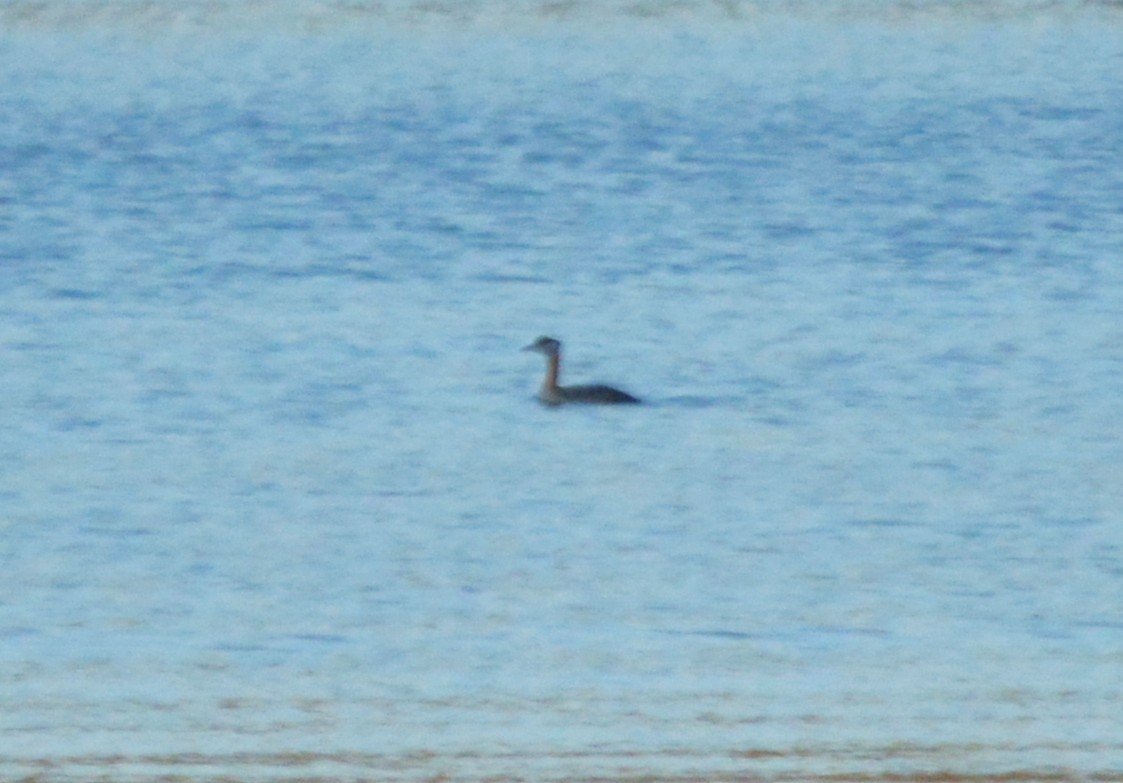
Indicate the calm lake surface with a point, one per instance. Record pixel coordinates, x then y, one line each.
276 498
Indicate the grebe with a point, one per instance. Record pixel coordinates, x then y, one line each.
553 394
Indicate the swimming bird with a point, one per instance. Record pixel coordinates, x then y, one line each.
553 394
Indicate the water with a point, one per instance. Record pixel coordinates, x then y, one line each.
277 499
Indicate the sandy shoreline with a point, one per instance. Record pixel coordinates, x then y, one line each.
899 764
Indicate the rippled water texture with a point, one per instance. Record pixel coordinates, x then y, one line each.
276 498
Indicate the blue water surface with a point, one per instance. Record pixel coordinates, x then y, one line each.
277 500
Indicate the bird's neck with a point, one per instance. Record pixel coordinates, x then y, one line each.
552 365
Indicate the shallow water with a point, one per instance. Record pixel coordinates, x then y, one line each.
278 501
